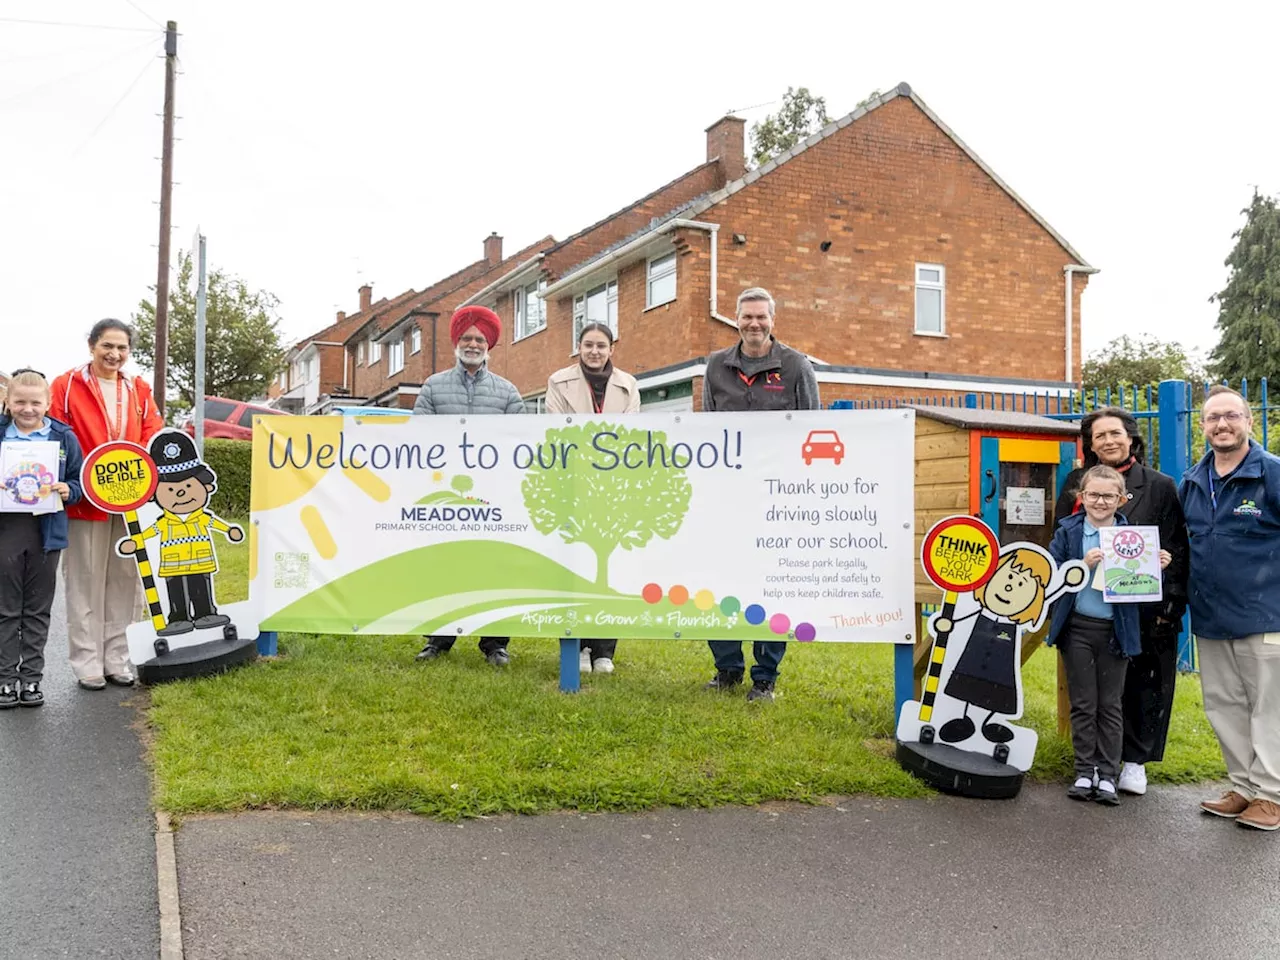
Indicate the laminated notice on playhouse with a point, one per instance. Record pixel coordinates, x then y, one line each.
1131 564
1025 506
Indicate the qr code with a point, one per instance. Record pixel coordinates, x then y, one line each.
293 571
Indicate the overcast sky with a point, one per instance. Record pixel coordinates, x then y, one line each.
319 152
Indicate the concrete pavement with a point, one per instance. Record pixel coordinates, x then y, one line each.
76 826
1039 876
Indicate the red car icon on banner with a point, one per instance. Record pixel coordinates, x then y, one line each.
822 445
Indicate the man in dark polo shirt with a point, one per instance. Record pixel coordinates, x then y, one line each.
757 373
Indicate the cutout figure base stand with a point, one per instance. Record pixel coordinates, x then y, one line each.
962 772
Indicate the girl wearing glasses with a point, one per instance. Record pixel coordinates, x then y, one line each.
1096 640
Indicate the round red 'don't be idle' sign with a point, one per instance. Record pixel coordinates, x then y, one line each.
119 477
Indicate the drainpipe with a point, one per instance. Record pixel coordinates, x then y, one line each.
714 230
1070 270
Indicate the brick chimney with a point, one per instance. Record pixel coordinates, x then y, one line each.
725 143
493 249
366 297
342 315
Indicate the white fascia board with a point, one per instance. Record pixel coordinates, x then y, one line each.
569 283
509 279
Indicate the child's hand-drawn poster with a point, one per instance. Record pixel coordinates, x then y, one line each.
1131 564
28 472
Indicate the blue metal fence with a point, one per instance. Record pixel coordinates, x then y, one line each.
1156 407
1165 413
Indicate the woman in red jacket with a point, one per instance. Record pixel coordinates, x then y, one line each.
100 403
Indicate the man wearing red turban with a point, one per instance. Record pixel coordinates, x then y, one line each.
470 388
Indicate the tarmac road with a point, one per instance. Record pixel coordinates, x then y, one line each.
1036 877
76 828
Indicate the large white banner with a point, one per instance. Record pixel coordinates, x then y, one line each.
750 526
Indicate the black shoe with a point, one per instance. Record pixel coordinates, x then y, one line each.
31 695
997 732
430 652
1108 798
8 697
498 658
1082 789
212 620
725 680
760 690
957 730
175 627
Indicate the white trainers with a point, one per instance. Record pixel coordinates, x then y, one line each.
584 661
603 665
1133 779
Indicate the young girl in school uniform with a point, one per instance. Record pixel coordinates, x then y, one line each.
30 545
1096 640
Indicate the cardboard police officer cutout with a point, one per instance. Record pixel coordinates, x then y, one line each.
184 529
958 736
164 493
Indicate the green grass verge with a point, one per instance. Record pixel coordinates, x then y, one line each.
347 723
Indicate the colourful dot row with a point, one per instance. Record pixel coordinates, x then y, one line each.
754 614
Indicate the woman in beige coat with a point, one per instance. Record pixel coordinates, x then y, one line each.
593 386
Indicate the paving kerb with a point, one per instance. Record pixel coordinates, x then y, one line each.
1038 876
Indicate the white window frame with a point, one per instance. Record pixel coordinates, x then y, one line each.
415 339
375 351
941 286
580 319
395 356
360 354
536 404
662 274
520 299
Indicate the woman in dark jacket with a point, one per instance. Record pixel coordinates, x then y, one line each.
1110 436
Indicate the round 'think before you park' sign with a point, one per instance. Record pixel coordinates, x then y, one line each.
960 554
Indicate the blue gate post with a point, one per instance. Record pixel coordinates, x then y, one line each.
570 677
1175 455
904 676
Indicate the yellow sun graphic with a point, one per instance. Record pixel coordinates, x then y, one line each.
289 483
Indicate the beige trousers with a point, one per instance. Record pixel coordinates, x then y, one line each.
1241 681
103 597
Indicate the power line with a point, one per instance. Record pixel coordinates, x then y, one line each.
145 14
79 73
114 106
80 26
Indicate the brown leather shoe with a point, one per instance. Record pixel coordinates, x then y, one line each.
1261 815
1230 805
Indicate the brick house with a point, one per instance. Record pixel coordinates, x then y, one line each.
900 262
315 370
391 351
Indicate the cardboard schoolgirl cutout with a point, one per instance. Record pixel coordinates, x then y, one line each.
992 595
184 530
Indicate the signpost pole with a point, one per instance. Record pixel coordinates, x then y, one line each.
144 571
570 676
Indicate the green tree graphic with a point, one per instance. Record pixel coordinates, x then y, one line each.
605 509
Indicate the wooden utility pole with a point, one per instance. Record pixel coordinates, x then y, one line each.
166 202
